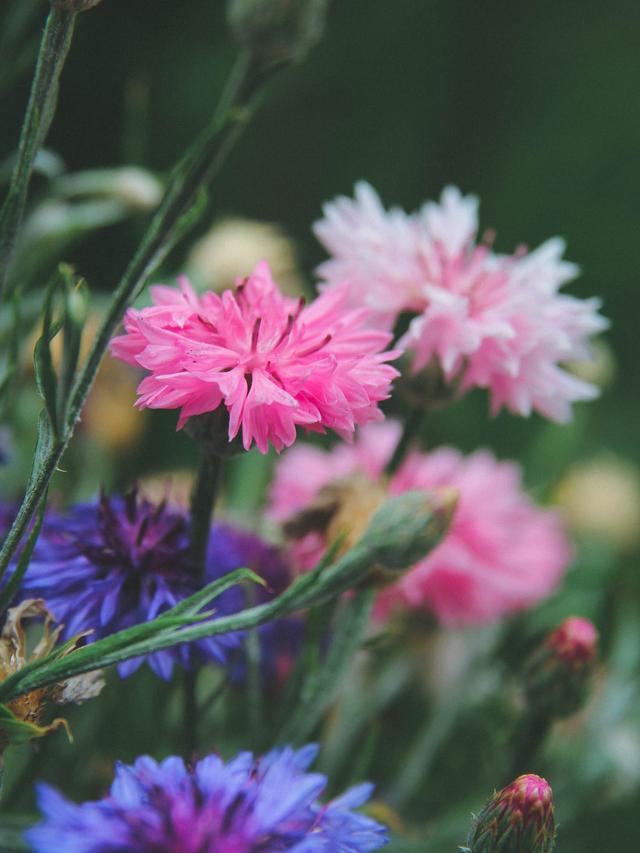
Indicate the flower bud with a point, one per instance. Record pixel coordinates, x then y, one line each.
74 5
405 528
517 819
558 674
277 31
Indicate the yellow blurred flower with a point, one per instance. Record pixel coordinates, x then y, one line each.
174 487
600 370
109 416
232 248
602 497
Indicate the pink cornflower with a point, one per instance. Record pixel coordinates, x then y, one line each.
272 362
487 320
502 553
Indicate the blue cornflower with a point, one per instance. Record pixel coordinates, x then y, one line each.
247 805
118 562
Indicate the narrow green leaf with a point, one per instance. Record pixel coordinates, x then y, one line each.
141 638
46 379
75 315
12 586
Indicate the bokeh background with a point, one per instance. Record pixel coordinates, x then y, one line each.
532 106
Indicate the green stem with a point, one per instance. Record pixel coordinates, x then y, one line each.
54 47
194 172
322 683
203 499
422 753
412 427
527 743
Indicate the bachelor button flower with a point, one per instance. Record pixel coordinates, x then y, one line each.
501 553
488 320
273 363
517 819
119 562
248 805
558 673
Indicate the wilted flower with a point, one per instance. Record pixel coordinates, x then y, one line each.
517 819
20 719
488 320
559 672
119 562
249 804
501 554
601 497
273 363
234 246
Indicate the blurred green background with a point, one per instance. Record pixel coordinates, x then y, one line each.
532 106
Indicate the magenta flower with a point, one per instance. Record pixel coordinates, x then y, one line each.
272 362
502 553
518 819
488 320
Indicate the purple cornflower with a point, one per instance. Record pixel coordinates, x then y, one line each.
247 805
118 562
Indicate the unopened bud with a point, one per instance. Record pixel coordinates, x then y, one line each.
517 819
558 674
75 5
406 528
277 31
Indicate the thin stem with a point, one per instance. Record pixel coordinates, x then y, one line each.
528 740
195 171
412 427
322 683
54 47
203 499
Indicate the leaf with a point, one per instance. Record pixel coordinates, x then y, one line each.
116 647
46 379
14 581
75 315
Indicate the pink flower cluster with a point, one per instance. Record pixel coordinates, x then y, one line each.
489 320
502 553
274 363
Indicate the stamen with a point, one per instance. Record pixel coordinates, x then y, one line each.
319 346
255 334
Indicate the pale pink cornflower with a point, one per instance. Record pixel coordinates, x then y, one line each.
501 554
487 320
274 363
